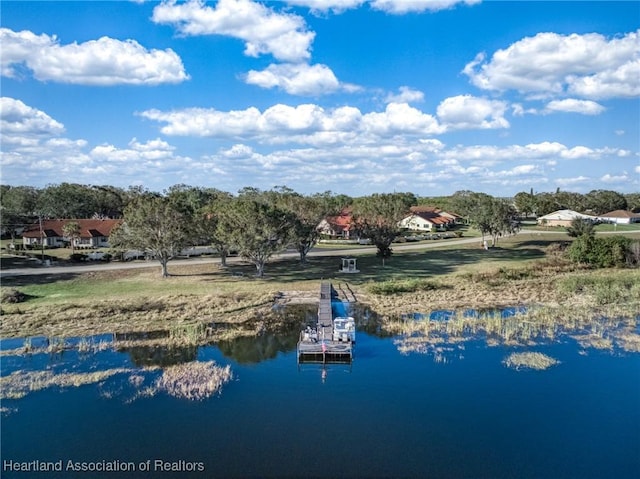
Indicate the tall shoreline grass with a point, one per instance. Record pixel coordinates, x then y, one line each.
200 296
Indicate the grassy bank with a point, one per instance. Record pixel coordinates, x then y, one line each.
521 271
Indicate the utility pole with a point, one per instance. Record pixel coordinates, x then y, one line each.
41 237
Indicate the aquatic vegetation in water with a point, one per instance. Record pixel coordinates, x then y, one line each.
529 360
194 380
20 383
522 326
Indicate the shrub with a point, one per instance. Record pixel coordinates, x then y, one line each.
12 295
77 257
604 252
404 286
633 254
581 227
605 289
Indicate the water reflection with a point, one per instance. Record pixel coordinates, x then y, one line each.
430 420
34 364
249 350
161 356
442 334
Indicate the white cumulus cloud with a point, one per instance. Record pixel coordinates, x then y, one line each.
466 111
103 62
16 118
394 7
321 6
405 95
590 66
264 31
571 105
307 123
298 79
399 7
614 179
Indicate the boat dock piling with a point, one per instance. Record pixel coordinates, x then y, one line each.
321 348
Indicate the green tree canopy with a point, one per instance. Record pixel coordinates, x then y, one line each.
377 217
603 201
257 229
154 225
525 203
67 201
567 200
633 201
210 226
545 204
307 213
17 208
491 216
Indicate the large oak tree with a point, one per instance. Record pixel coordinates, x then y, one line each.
154 225
377 218
257 229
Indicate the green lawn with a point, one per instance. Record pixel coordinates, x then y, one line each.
609 227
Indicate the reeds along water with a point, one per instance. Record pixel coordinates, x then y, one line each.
520 327
529 360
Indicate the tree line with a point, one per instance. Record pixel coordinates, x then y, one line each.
256 223
21 204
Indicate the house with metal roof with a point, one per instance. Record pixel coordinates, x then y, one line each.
563 218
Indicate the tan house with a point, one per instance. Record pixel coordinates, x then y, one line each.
93 233
563 218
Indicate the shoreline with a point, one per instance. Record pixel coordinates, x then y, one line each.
254 312
204 301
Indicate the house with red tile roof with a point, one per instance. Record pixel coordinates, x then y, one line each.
424 218
434 209
94 233
338 227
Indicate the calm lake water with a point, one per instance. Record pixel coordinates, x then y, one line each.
452 412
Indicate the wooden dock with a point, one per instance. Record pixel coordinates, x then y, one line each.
321 348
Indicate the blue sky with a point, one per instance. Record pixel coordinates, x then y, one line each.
352 96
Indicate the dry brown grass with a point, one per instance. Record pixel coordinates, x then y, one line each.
529 360
194 381
20 383
201 297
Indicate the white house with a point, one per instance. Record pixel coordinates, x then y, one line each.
621 217
426 221
92 233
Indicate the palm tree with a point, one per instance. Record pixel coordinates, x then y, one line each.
71 230
581 227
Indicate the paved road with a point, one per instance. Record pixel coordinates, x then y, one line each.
87 267
55 270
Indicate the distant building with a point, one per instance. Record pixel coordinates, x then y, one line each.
428 218
93 233
338 227
621 217
563 218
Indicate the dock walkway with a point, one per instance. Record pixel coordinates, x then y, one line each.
322 348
